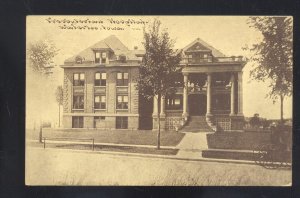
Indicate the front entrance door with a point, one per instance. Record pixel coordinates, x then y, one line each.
197 104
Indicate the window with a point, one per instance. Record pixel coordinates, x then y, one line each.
122 102
174 102
78 79
100 57
78 59
103 57
100 79
97 57
100 102
122 79
122 58
78 102
121 122
77 122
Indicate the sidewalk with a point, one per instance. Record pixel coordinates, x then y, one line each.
190 149
192 145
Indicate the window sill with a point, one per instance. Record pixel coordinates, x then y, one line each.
78 109
100 86
100 109
121 85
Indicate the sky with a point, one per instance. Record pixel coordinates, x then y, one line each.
228 34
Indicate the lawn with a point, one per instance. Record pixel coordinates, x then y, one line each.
62 167
140 137
126 149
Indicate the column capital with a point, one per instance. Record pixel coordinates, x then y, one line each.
185 74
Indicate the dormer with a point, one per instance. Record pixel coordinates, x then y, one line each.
101 56
122 58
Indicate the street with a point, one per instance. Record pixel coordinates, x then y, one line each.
66 167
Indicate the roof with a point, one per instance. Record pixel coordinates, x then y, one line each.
203 45
110 43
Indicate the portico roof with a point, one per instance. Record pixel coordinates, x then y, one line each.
204 46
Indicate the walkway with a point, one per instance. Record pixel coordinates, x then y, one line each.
192 144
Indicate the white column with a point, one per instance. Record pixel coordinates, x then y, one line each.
155 110
185 96
162 106
208 99
240 93
232 99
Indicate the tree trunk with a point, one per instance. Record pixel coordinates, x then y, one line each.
281 108
58 116
158 120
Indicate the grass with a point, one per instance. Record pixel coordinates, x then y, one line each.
140 137
126 149
53 167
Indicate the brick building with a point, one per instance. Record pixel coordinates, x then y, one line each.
99 90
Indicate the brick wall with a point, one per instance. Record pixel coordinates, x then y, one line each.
134 95
88 89
133 123
67 92
89 92
88 122
67 121
111 91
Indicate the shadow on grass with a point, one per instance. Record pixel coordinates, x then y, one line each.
125 149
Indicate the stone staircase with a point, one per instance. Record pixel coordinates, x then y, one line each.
197 124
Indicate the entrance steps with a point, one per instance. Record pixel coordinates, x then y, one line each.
197 124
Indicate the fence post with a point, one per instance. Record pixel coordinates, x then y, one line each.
93 144
44 143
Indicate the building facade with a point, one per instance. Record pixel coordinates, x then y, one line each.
100 89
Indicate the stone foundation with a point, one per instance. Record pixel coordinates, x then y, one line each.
108 123
228 123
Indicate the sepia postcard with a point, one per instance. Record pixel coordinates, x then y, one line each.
159 100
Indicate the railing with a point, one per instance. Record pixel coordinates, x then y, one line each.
213 59
115 61
220 111
196 89
92 140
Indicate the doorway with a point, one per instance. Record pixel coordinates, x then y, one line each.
197 104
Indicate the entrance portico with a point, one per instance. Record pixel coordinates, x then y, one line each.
211 87
218 97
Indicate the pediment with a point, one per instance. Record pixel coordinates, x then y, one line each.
197 47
